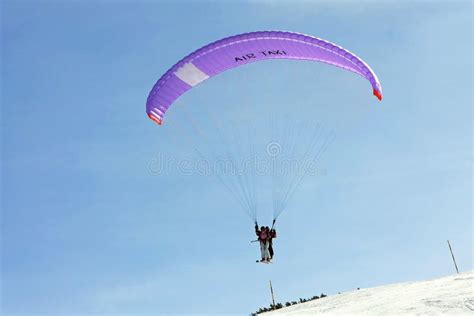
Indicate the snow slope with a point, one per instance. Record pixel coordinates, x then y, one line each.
452 295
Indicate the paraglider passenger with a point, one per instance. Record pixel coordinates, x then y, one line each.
263 235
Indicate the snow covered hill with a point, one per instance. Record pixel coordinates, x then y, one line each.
452 295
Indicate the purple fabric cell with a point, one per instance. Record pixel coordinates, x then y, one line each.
246 48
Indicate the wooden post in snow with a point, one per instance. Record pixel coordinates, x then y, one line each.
273 298
452 255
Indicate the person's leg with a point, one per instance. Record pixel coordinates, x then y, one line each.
267 253
270 250
262 249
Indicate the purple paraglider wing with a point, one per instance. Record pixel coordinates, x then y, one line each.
242 49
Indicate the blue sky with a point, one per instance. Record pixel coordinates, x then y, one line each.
88 228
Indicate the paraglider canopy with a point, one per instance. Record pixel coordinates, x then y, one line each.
242 49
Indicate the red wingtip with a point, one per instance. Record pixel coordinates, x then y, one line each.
154 119
378 94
